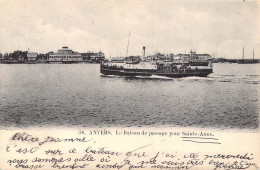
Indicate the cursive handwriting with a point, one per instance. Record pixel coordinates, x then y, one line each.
24 137
82 153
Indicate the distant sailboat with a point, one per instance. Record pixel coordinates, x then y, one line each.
247 61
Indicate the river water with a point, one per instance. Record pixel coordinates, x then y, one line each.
77 95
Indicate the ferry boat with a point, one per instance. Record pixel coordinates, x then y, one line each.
135 66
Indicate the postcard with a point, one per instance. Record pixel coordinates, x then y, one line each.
135 84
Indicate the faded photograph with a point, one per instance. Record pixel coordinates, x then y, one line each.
129 63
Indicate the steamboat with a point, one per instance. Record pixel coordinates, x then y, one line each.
181 65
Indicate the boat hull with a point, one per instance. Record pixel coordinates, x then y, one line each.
134 73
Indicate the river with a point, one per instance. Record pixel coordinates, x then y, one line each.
77 95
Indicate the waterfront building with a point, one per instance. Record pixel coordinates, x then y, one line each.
184 57
31 57
65 55
42 58
132 59
93 57
200 57
119 58
157 57
192 56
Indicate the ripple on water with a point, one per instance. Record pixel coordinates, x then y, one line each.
226 99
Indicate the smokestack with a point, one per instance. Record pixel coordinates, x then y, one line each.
143 53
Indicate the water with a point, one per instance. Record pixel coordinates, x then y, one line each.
76 95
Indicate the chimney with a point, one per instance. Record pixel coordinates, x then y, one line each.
143 53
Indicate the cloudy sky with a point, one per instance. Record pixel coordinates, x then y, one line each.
222 27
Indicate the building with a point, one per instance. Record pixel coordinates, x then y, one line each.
192 56
31 57
156 57
200 57
65 55
93 57
204 57
98 57
132 59
184 57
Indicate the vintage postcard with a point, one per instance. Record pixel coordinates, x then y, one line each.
129 84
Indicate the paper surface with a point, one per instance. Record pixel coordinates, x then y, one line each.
118 147
131 148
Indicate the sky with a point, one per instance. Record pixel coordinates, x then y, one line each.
221 28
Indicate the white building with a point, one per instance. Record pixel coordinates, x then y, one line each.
204 57
32 56
65 55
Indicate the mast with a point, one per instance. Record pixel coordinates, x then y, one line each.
127 44
243 52
253 55
143 53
